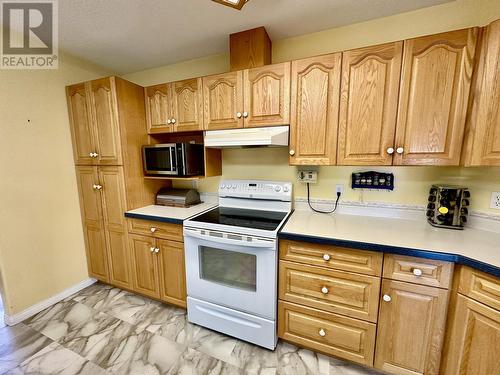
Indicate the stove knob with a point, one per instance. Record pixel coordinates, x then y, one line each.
277 189
286 189
223 186
234 186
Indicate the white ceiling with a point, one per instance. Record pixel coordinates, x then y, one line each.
131 35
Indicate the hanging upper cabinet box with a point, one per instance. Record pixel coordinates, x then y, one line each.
174 107
435 83
223 101
314 110
368 104
267 95
485 117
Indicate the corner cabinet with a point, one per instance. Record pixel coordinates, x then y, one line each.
435 84
484 121
368 104
174 107
314 110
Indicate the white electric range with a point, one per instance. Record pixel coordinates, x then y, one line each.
232 260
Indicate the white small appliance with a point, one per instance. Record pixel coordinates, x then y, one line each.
232 260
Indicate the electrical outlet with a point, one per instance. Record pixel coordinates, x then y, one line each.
307 176
339 188
495 200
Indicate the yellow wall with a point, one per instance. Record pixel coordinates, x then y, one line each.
412 183
41 241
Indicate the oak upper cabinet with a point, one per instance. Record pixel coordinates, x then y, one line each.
172 272
81 124
146 273
485 116
187 105
410 328
368 104
94 122
157 108
93 226
112 190
314 110
267 95
434 93
223 101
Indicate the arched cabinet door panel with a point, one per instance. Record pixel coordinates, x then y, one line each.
187 105
434 95
157 108
81 124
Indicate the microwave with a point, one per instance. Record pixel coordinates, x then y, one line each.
176 159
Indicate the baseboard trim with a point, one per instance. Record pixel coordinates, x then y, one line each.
11 320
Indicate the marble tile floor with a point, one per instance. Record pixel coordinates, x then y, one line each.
105 330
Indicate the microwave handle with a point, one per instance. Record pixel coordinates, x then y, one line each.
258 243
173 154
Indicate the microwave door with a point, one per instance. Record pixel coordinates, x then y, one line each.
160 160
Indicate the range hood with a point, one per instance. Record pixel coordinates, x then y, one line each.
274 136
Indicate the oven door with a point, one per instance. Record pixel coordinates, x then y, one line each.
160 159
230 270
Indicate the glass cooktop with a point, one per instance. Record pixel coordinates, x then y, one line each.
237 217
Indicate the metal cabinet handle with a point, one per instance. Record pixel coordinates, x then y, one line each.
326 257
322 332
387 298
324 290
417 272
390 150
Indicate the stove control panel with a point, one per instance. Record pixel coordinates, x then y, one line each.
256 189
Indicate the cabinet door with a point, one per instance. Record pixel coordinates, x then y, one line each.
158 108
223 101
187 107
368 104
473 341
114 205
93 227
81 124
485 117
145 264
435 84
410 328
104 109
267 95
314 110
172 272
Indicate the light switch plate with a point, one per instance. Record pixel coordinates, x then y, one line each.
309 176
495 200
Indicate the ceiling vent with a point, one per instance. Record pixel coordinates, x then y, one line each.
236 4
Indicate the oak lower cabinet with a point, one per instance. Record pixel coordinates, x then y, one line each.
158 260
411 327
314 110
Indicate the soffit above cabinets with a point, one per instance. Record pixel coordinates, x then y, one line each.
127 36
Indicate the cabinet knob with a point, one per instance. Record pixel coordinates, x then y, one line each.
291 152
326 257
153 229
169 121
387 298
99 187
390 150
324 290
322 332
400 150
417 272
245 114
173 121
152 249
157 250
238 115
91 154
95 186
96 154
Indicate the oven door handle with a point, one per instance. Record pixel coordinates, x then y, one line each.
269 244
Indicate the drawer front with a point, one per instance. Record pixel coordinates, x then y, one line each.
418 270
335 257
328 333
480 286
156 229
330 290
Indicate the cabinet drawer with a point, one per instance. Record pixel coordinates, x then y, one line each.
156 229
480 286
335 291
336 257
418 270
328 333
